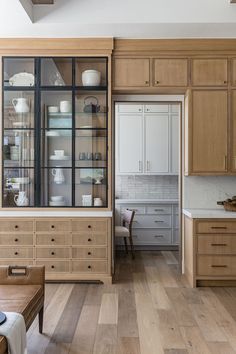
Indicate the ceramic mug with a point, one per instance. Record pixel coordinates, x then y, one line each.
65 107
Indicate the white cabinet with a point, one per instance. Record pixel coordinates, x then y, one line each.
147 139
156 143
129 148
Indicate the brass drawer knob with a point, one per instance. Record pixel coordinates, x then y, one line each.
52 267
89 226
89 253
157 82
52 253
52 226
89 267
146 82
89 240
16 240
16 253
225 82
16 226
52 239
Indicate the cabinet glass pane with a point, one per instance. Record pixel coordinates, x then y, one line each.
90 109
18 109
56 184
90 187
91 72
18 187
19 71
90 148
18 148
56 72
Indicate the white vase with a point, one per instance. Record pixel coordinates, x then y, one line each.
21 199
58 175
21 105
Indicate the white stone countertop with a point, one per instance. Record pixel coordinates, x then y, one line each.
209 213
59 213
146 201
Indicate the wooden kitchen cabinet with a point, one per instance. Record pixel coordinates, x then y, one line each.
131 72
209 72
233 131
170 72
206 133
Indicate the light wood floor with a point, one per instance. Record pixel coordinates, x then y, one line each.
149 310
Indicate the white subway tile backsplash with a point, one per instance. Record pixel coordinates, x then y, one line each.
149 187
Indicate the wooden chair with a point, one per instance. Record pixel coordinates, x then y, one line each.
125 231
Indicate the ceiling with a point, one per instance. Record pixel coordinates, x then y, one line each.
112 18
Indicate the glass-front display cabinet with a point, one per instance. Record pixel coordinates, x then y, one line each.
55 132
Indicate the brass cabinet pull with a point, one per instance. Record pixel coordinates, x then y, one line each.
219 244
159 221
146 82
89 240
16 226
219 266
234 161
52 267
148 165
225 82
140 166
52 239
89 226
52 253
16 240
16 253
159 236
52 226
89 267
219 227
157 82
225 162
89 253
158 209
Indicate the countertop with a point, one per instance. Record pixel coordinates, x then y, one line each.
209 213
59 213
146 201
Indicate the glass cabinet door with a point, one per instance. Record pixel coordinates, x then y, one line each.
54 132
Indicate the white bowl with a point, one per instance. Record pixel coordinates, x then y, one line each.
53 109
57 198
91 78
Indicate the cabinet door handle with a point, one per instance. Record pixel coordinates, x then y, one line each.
159 221
140 166
219 244
159 236
157 82
219 227
225 162
219 266
148 165
158 209
234 161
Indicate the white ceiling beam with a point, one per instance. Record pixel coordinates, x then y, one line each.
28 7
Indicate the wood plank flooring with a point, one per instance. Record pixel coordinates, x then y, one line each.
148 310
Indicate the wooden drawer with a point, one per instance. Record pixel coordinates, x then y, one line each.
17 262
52 225
159 209
151 237
55 266
52 239
152 221
19 239
21 225
89 225
139 209
89 266
82 239
216 227
216 265
52 252
216 244
89 252
16 252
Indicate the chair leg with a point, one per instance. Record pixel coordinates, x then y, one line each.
41 320
132 246
126 246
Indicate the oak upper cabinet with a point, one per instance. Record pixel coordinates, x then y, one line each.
157 143
207 133
170 72
233 120
131 72
209 72
129 145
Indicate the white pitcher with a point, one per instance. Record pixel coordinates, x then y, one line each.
58 175
21 199
21 105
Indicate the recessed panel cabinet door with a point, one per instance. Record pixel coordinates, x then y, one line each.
233 162
209 131
174 144
131 72
209 72
129 149
157 143
170 72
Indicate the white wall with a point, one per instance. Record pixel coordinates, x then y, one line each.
123 18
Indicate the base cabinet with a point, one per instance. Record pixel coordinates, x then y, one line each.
210 251
70 248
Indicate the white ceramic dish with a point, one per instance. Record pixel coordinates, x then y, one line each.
53 109
91 78
52 133
57 198
22 79
61 203
55 157
19 124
